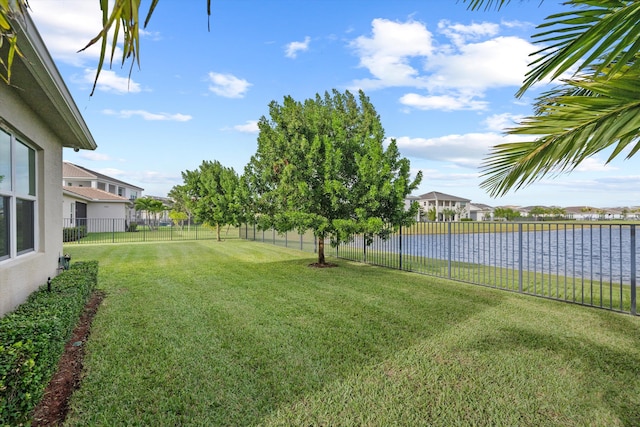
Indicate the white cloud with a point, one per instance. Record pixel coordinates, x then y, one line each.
228 85
293 48
498 62
126 114
501 122
112 172
94 156
68 29
466 150
109 81
459 34
450 102
454 74
387 53
150 35
594 164
251 126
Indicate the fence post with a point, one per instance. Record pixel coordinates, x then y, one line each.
400 248
633 269
113 230
449 249
520 257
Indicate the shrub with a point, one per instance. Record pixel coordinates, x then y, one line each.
72 234
32 339
133 227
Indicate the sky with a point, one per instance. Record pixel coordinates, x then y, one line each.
442 78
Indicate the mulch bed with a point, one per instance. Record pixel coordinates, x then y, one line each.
323 265
52 409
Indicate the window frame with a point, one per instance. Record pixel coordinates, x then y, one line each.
16 196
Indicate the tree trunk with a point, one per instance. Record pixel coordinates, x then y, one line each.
218 231
321 250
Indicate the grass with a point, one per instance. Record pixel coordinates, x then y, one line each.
244 333
608 294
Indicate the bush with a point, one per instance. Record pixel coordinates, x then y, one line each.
72 234
133 227
32 339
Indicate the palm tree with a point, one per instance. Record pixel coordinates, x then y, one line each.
151 207
597 108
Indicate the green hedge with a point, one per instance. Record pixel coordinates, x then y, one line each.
72 234
32 339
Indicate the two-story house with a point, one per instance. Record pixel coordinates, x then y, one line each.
97 201
436 206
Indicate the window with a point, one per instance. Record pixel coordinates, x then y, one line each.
17 196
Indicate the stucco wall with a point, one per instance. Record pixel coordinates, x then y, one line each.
22 275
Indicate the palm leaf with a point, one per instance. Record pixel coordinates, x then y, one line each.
10 10
573 122
488 4
123 16
606 33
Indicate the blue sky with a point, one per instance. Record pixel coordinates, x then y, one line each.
442 79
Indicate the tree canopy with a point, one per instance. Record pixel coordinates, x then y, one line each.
214 195
321 165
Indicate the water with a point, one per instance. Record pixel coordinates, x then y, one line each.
597 253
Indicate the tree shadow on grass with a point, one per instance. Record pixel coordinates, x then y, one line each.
607 374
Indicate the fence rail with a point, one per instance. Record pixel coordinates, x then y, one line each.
118 230
588 264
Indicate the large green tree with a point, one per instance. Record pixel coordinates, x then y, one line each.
214 195
321 164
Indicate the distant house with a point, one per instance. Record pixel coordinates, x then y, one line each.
38 117
91 198
95 209
408 201
445 207
582 213
79 176
480 212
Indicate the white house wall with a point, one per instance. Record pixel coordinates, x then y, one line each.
106 216
22 275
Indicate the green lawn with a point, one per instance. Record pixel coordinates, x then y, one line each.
243 333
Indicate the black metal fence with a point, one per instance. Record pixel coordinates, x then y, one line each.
588 264
119 230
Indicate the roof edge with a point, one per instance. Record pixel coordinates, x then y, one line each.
40 64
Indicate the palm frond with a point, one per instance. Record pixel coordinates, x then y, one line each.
10 10
573 122
124 15
486 4
604 32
